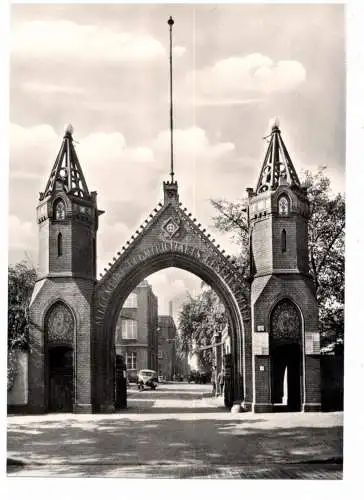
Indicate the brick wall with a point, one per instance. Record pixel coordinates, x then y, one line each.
265 294
64 262
313 380
77 295
302 245
262 373
82 249
287 259
262 245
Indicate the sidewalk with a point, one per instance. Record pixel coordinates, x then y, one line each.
212 401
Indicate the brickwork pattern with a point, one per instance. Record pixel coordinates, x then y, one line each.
149 252
282 274
77 295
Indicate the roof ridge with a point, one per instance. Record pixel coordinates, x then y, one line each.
133 238
138 233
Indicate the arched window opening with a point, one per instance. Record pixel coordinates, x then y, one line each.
59 210
59 245
284 241
283 205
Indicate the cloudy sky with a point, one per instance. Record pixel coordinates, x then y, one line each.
104 68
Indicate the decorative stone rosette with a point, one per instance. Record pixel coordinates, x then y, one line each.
60 325
286 322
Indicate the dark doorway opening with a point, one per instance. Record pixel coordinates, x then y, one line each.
60 379
286 377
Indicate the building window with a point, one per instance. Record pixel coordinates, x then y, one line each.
59 245
131 301
131 360
283 205
129 329
59 210
283 240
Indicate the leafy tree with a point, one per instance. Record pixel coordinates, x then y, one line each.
199 319
326 230
21 280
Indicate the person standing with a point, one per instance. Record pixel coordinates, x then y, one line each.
214 381
220 381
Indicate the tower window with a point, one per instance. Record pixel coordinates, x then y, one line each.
283 240
59 210
283 205
59 245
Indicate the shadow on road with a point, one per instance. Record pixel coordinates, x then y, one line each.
79 445
146 405
160 395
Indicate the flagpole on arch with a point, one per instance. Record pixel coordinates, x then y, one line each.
171 23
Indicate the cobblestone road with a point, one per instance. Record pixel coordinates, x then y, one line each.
177 432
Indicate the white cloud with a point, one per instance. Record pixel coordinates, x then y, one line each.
22 234
192 142
254 73
115 170
109 164
32 149
110 239
64 39
45 88
179 51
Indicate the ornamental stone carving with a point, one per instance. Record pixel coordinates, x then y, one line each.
286 322
283 206
60 325
171 228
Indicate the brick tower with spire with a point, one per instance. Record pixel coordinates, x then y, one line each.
286 343
61 306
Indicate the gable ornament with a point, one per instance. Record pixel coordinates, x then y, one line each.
171 228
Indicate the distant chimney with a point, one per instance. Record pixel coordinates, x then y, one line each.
170 308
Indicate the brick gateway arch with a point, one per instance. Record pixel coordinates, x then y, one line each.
73 315
170 238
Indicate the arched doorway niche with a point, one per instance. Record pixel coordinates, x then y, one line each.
59 358
286 348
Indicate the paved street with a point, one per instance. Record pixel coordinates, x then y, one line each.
177 431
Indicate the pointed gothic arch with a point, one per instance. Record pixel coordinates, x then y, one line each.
171 238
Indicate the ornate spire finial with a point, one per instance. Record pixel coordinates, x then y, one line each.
275 123
170 24
68 129
67 171
277 164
